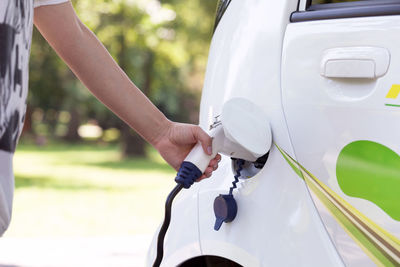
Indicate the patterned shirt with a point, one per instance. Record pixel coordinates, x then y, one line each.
16 22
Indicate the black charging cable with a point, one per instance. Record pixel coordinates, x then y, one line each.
187 174
165 225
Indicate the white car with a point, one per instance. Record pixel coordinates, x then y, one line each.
328 193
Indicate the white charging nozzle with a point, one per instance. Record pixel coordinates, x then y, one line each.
243 132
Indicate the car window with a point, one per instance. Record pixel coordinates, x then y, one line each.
317 2
337 9
346 3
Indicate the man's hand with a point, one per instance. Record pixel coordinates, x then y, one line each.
178 139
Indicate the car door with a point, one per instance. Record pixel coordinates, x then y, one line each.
341 98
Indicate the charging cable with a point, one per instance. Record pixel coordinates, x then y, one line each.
188 173
165 225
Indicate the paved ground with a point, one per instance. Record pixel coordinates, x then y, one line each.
77 252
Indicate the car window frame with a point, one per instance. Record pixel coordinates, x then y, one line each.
346 10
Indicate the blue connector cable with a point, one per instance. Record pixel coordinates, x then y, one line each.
240 164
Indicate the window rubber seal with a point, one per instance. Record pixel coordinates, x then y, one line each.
347 10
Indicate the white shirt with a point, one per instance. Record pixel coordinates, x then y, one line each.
37 3
16 22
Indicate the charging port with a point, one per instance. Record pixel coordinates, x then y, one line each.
249 169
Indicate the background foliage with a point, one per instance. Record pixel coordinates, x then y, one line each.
163 48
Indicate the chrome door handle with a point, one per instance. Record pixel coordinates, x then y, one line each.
355 62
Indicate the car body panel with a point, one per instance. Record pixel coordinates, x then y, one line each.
325 115
244 61
257 54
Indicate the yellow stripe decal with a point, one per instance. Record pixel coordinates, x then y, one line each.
394 91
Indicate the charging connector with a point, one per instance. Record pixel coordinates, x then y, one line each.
188 173
243 132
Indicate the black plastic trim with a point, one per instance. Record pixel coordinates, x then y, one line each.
336 11
221 8
311 7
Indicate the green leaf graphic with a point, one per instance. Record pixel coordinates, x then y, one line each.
371 171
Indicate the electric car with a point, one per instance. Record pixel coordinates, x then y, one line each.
327 193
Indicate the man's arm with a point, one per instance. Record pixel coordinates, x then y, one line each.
94 66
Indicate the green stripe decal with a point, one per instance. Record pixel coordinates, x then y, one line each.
294 167
392 105
382 247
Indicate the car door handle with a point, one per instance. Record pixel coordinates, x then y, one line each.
355 62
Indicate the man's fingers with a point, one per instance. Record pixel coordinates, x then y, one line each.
201 178
205 139
213 165
214 162
208 172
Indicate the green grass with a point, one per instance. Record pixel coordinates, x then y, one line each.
83 190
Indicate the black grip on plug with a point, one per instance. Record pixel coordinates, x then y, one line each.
188 173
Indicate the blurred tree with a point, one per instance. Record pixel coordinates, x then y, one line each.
162 47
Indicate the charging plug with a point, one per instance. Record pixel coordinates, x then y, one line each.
188 173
